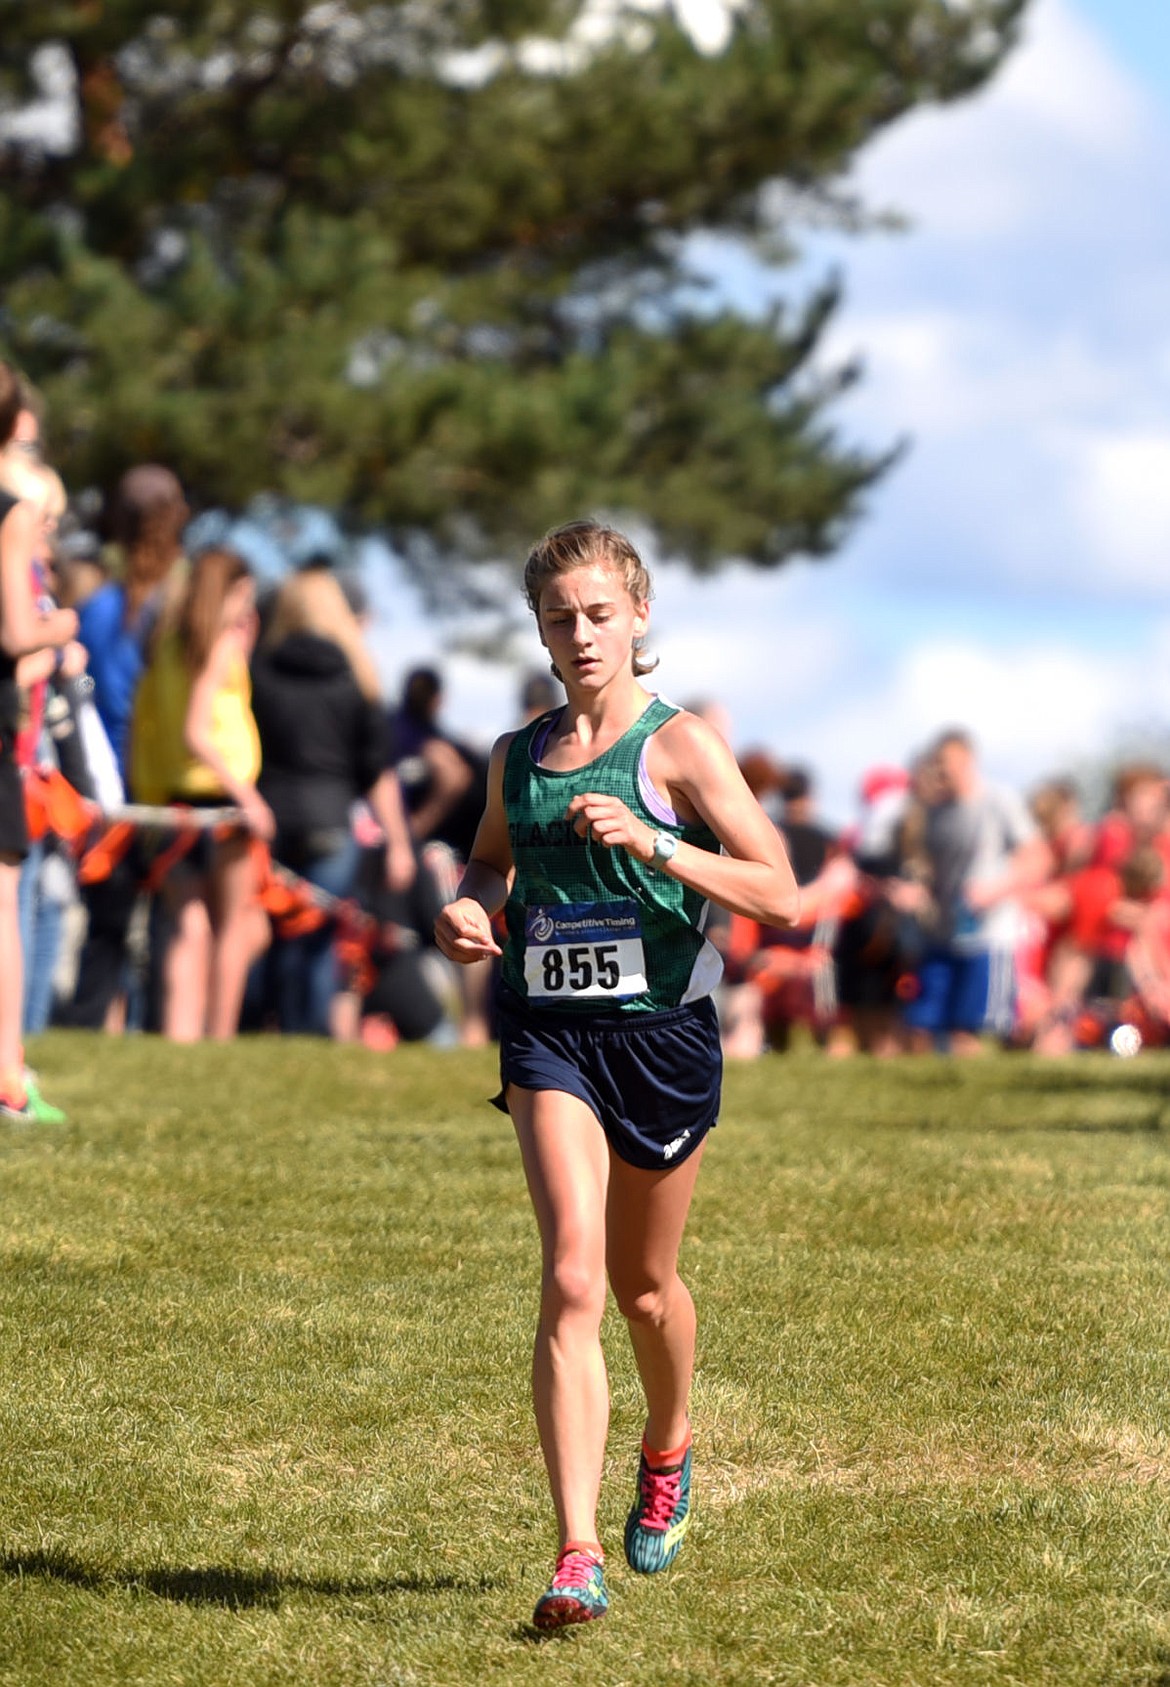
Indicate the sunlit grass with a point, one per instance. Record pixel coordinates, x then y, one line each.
265 1315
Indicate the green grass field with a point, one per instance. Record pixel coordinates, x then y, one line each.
265 1315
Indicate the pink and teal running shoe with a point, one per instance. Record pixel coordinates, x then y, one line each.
576 1593
661 1513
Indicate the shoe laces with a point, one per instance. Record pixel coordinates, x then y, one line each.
574 1569
660 1493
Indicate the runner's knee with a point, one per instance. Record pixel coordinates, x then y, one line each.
573 1289
642 1302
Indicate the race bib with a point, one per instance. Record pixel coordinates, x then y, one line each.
576 950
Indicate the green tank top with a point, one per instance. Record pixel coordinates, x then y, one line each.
592 929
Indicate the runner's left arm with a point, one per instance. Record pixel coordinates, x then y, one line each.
753 876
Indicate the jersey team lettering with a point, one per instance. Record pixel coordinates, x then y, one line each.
581 949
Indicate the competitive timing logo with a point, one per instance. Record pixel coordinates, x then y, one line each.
541 926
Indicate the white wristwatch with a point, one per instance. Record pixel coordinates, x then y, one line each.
665 845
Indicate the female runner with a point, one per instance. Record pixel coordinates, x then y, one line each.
609 826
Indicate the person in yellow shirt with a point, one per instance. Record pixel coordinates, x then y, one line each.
194 740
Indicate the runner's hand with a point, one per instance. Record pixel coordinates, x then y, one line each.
609 821
463 931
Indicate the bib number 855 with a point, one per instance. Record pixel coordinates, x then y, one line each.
581 967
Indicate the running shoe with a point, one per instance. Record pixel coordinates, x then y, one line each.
41 1111
11 1108
576 1593
661 1514
25 1104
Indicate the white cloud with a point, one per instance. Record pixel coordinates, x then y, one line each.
728 636
1120 485
1038 461
1017 334
958 372
1016 160
1063 87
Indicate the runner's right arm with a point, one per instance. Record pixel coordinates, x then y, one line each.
463 930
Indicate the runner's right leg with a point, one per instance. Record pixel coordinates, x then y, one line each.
566 1163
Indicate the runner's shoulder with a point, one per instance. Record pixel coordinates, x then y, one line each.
690 745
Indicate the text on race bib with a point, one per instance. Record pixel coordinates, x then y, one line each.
582 949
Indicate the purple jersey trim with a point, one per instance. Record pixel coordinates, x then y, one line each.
654 800
541 737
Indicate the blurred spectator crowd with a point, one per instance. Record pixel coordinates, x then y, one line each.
231 826
955 914
952 914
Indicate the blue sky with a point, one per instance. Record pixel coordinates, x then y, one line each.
1013 573
1138 32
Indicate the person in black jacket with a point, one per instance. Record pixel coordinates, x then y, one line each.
323 737
444 781
444 786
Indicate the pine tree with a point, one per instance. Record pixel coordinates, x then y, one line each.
429 263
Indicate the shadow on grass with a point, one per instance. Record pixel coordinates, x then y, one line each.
1150 1122
1146 1124
1122 1076
215 1584
527 1634
1151 1126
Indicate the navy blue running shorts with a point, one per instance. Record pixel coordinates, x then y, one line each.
652 1079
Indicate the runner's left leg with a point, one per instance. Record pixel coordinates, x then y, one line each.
645 1218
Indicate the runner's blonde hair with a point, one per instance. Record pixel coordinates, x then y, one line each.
581 544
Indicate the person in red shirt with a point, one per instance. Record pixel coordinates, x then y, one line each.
1045 907
1139 814
1109 910
1071 839
1147 958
